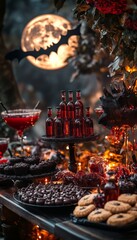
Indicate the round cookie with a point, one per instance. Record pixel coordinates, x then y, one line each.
120 219
99 215
128 198
86 200
83 211
117 206
133 211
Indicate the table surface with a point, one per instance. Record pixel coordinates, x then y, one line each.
59 223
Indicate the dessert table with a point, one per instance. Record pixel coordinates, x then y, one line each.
59 222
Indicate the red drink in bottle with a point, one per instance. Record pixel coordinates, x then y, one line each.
78 124
58 124
71 113
88 123
49 124
63 105
111 190
79 103
70 106
3 148
63 108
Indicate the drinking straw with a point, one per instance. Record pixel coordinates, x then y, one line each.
36 104
4 106
10 153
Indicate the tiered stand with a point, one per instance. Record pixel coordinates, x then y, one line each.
71 142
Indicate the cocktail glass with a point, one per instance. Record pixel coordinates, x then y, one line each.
3 146
99 110
21 119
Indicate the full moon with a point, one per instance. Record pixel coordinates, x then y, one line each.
42 32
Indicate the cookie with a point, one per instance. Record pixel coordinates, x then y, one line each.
117 206
133 211
128 198
86 200
83 211
99 215
120 219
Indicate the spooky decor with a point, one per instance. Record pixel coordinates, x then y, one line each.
47 40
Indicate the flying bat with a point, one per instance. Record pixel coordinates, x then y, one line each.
19 54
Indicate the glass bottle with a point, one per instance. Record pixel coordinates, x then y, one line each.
78 102
71 113
70 106
88 123
63 108
49 124
78 123
58 124
111 190
63 105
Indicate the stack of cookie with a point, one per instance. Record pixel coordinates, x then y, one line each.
116 213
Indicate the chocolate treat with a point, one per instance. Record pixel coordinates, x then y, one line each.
51 194
34 169
14 160
21 169
133 178
2 166
40 201
32 200
31 160
47 166
9 170
126 186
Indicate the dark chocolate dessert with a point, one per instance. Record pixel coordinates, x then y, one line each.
51 194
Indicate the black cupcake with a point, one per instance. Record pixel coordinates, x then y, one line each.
14 160
9 170
2 166
31 160
47 166
34 169
21 169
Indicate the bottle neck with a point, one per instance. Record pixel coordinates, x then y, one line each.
78 95
63 96
58 113
87 111
49 112
70 96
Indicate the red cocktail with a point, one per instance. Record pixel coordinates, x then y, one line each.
3 146
99 110
21 119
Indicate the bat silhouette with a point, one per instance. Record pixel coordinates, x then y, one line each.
19 54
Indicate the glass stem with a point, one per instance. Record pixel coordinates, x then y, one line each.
20 134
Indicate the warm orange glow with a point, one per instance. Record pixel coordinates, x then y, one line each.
130 70
42 32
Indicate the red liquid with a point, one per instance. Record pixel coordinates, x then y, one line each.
49 124
79 103
58 125
71 106
63 105
78 124
49 128
88 123
20 123
3 148
88 127
111 191
99 111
